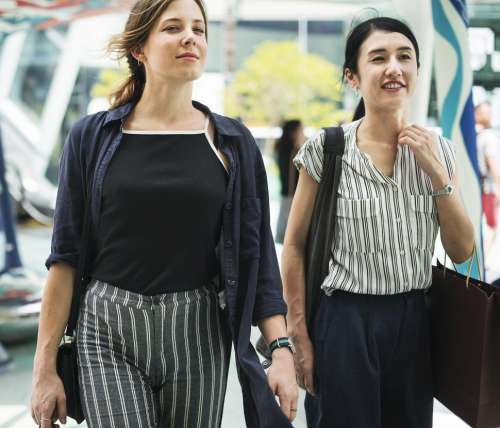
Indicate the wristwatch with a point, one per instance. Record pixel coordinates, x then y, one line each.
444 191
281 342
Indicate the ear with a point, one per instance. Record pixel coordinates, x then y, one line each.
351 78
138 54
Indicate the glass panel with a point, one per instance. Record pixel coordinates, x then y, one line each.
215 59
35 72
249 34
326 38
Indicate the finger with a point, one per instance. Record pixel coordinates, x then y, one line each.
407 141
45 421
61 412
293 405
309 382
412 133
285 404
33 416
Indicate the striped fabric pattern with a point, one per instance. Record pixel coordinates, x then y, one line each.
386 227
152 361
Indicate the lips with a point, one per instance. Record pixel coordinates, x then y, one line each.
393 85
188 55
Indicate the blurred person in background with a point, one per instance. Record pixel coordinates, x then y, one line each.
367 361
488 157
180 225
286 147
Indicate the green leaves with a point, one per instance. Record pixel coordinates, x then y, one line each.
280 81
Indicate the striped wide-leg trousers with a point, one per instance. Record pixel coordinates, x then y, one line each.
152 361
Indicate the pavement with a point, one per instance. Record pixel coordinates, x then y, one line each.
15 384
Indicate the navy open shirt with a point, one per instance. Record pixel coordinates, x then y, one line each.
248 264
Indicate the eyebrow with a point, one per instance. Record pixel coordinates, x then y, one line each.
383 50
197 21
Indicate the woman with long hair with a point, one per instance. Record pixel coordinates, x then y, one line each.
285 148
181 257
367 361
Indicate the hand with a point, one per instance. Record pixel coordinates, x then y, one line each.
422 143
281 378
48 400
304 361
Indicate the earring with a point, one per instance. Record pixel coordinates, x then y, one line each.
138 63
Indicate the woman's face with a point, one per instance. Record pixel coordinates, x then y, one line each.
387 70
176 48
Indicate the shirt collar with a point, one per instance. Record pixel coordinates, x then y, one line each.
223 125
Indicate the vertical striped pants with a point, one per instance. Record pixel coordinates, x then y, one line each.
152 361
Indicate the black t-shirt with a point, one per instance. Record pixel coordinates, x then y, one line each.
161 215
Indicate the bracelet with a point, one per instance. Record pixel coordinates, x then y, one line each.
281 342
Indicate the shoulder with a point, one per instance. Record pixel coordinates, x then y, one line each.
83 134
84 125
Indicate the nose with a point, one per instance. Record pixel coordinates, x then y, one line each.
393 67
188 39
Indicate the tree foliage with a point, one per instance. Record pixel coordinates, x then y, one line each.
279 81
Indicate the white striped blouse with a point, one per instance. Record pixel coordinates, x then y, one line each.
386 226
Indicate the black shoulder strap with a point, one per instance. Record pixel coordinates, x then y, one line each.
80 275
334 141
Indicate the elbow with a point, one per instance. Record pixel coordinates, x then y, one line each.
461 251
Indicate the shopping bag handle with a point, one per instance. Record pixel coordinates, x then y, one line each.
473 256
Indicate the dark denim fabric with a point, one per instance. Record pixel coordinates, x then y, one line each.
249 270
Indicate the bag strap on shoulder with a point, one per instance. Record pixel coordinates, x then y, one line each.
334 141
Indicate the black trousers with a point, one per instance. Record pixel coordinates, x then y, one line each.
372 362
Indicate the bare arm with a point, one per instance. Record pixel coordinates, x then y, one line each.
48 399
457 232
292 258
294 276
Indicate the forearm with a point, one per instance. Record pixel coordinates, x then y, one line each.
54 315
272 327
294 288
457 232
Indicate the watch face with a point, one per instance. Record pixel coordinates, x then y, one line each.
448 189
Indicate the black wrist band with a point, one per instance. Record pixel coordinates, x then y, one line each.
281 342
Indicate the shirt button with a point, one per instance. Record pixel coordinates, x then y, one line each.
231 282
229 206
402 252
228 244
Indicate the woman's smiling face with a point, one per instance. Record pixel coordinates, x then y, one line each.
386 70
176 48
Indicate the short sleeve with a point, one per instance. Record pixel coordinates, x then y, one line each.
448 155
310 156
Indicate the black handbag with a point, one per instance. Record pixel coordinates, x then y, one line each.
321 230
67 354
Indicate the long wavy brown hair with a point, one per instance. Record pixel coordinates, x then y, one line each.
140 22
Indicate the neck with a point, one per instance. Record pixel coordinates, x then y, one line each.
165 103
393 121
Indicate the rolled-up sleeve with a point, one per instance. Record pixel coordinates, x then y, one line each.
269 296
68 216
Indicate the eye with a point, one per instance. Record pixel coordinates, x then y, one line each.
377 58
405 56
171 28
199 30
